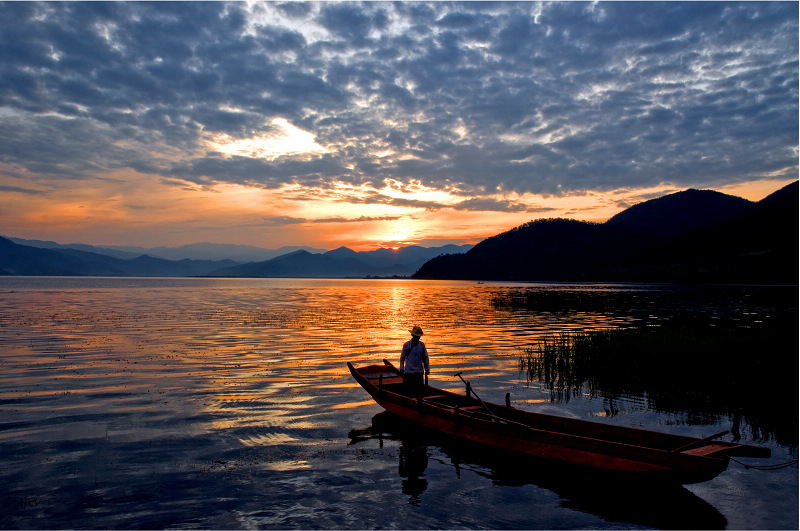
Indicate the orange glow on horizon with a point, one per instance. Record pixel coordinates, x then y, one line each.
127 208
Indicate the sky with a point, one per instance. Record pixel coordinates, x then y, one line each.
381 124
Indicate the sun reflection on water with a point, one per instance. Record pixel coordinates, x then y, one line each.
209 379
239 350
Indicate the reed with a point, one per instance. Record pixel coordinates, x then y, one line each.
726 368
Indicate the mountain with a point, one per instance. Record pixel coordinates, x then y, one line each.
299 264
195 251
16 259
680 213
341 263
412 256
689 236
41 244
50 258
24 260
217 251
549 249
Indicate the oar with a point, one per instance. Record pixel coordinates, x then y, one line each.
479 398
701 441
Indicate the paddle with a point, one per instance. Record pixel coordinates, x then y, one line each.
476 396
701 441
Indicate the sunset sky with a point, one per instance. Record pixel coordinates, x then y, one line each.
381 124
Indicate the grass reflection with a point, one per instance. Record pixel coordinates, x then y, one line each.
729 369
147 406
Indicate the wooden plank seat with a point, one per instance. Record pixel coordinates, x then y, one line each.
708 449
433 397
385 375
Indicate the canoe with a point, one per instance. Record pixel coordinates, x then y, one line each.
611 449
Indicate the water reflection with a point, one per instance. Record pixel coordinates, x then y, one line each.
413 461
690 365
204 387
662 506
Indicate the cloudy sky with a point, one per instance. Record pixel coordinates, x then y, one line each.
381 124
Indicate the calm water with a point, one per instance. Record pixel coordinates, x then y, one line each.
226 403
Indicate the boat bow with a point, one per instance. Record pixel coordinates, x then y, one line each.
577 442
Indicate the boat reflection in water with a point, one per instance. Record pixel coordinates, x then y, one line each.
653 504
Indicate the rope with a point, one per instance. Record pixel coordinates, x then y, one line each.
766 467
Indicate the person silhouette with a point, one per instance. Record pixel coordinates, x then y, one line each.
414 363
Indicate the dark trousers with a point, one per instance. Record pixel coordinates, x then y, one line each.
414 381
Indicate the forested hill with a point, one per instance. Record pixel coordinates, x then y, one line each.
689 236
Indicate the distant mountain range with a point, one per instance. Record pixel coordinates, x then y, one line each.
195 251
690 236
41 258
343 262
16 259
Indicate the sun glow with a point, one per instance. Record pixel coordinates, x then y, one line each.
416 191
284 139
362 216
400 233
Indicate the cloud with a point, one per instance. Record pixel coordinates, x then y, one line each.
532 97
493 205
20 190
361 219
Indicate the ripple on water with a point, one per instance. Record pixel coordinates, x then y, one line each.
187 403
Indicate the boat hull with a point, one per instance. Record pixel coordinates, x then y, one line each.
597 446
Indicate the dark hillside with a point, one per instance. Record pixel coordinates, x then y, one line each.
760 246
552 249
781 207
693 236
680 213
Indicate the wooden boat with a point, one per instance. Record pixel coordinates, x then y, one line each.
612 449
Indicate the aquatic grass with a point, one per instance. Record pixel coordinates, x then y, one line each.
698 368
631 358
604 360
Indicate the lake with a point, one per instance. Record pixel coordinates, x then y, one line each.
227 403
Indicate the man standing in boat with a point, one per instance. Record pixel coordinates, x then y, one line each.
414 360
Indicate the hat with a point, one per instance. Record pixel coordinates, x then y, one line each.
416 331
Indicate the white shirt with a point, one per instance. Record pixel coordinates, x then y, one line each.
414 358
